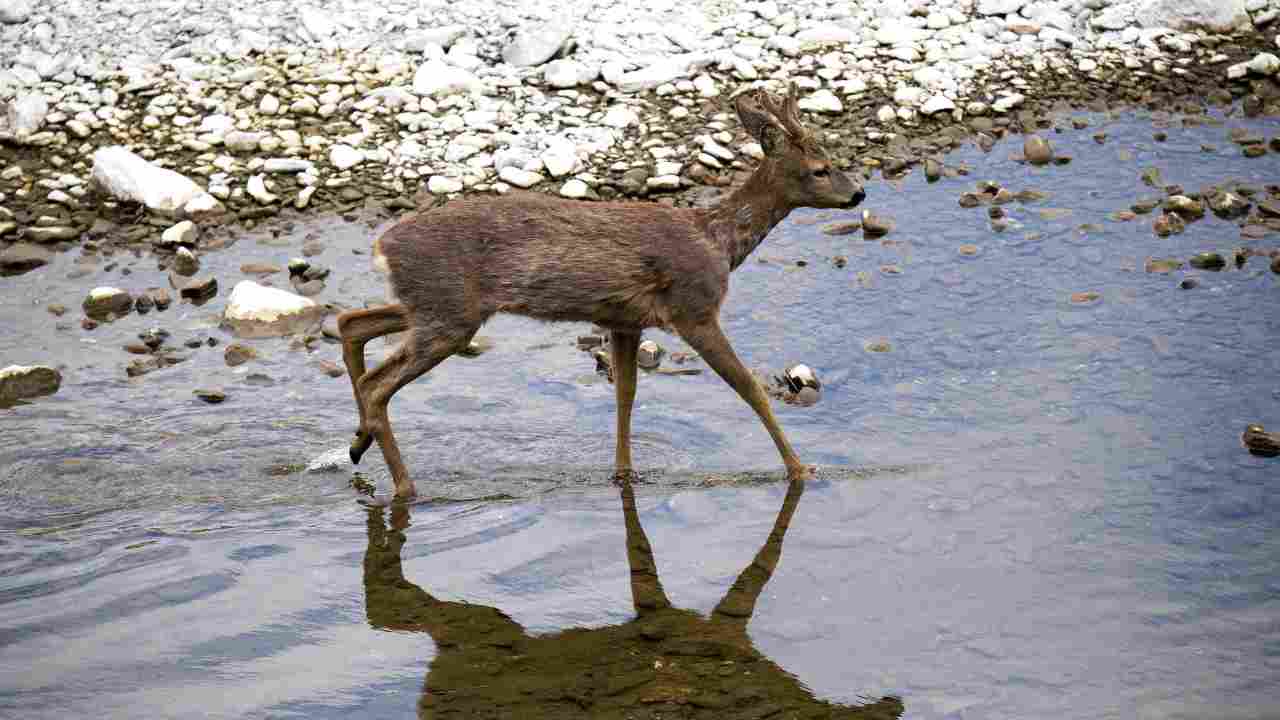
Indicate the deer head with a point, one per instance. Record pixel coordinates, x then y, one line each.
793 158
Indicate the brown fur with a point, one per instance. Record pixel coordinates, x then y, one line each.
626 266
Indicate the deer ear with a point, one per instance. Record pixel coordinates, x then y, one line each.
758 122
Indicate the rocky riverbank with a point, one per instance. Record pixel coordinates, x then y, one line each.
171 127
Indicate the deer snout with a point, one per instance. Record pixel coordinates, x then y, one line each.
855 192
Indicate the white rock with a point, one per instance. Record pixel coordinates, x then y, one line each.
126 176
823 101
560 159
519 177
184 233
269 105
13 12
257 188
999 7
936 104
619 116
574 189
536 45
826 35
886 114
665 71
663 182
1238 71
1008 102
317 24
289 165
1216 15
345 157
257 311
1264 64
564 73
436 77
25 116
441 185
202 206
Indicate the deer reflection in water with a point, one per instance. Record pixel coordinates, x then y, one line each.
665 663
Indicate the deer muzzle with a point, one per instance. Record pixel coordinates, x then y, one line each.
853 190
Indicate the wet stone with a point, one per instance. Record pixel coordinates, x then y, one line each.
259 269
160 297
1184 206
877 346
932 170
1037 150
875 226
1170 224
1228 205
1275 264
1085 298
237 354
1003 197
842 228
331 369
1254 151
800 376
24 382
23 258
649 355
213 397
185 262
1162 265
1260 442
105 303
1143 207
970 200
1208 261
968 250
1189 283
200 289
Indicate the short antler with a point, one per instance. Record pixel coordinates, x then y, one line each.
764 115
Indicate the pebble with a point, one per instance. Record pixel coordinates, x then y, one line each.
185 262
213 397
874 226
236 354
1037 150
800 376
649 355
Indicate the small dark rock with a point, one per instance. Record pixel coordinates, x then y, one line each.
1260 442
842 228
1184 206
1189 283
1208 261
932 170
874 226
306 288
185 262
590 342
213 397
1142 207
200 290
970 200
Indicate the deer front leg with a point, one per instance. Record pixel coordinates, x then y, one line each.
625 346
708 339
357 328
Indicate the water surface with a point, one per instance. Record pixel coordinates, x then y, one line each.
1028 507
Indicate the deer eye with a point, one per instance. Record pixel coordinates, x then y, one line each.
822 172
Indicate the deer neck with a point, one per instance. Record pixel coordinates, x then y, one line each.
742 221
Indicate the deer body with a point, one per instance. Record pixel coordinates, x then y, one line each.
623 266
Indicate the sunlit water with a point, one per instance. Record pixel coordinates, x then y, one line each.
1029 507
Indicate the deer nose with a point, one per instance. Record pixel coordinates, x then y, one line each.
858 196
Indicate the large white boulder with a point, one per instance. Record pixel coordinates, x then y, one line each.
24 116
437 77
1216 15
537 44
127 176
255 310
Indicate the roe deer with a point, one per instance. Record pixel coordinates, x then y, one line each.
623 266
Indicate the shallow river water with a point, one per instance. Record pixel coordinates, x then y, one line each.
1027 508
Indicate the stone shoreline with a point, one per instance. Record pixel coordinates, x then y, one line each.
317 126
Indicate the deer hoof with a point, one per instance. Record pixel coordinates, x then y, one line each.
362 443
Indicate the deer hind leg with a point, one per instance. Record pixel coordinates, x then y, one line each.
624 347
357 328
708 339
412 359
